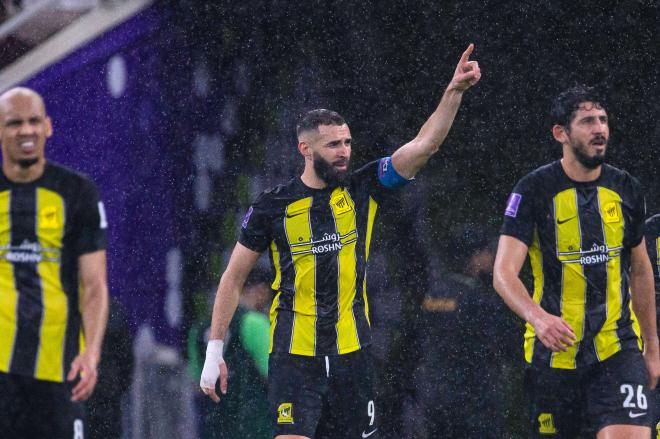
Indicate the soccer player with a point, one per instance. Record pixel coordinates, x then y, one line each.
582 223
652 236
318 230
53 290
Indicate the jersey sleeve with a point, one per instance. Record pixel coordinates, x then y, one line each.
91 220
519 212
256 233
381 179
638 216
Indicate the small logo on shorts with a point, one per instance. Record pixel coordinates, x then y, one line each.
546 425
635 415
285 413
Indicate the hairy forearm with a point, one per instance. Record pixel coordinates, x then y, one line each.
412 156
515 295
224 306
94 310
435 129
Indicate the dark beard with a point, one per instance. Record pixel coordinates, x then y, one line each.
329 174
26 163
585 160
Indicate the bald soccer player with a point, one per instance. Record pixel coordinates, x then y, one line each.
53 288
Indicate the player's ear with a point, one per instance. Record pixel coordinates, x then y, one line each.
305 149
49 127
560 134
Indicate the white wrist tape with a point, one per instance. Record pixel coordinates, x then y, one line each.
211 370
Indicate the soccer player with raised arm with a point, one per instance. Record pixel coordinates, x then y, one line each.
317 228
582 223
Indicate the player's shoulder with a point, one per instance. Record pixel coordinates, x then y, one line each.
619 179
540 176
61 172
67 181
618 174
281 193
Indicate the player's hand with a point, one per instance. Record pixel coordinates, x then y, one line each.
83 366
554 332
214 367
652 360
467 72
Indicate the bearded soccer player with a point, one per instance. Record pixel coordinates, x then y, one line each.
582 223
652 235
318 230
53 290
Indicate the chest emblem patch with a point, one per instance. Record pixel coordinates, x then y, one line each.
340 204
48 218
611 213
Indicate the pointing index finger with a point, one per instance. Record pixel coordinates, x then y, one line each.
466 54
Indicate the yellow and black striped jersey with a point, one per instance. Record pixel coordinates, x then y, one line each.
579 235
319 245
45 226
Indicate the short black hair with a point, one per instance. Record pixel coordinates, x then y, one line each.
312 119
567 103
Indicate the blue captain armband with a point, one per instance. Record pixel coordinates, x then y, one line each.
388 176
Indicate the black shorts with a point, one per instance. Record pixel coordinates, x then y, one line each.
564 403
31 408
323 397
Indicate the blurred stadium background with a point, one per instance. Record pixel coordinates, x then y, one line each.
183 111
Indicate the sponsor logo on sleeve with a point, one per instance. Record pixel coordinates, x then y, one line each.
512 205
246 218
384 164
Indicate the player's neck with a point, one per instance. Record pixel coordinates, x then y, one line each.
18 174
576 171
310 179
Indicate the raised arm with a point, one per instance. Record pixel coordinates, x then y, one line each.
226 300
94 311
552 330
412 156
643 302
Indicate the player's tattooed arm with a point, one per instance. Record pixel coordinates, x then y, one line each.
553 331
643 302
412 156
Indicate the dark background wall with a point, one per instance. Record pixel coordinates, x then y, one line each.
383 65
